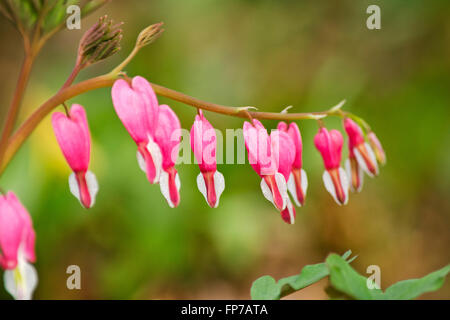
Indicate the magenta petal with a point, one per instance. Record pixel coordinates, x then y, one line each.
251 143
288 214
73 137
29 236
11 229
16 231
282 126
143 88
259 147
354 132
131 108
285 152
377 148
152 163
294 133
329 144
168 135
203 143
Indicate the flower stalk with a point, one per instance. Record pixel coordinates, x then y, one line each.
11 144
14 107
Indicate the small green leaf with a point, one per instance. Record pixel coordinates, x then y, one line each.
57 14
92 5
345 279
265 288
27 12
410 289
338 106
347 254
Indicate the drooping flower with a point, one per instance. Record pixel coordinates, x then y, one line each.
17 239
137 108
262 155
72 134
210 182
361 149
354 172
168 136
376 146
298 181
329 144
286 158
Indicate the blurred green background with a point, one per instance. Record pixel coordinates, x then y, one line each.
268 54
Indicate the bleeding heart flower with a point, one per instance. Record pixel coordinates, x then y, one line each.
286 159
354 172
137 108
263 157
72 134
210 182
376 146
329 144
361 149
17 238
168 136
298 181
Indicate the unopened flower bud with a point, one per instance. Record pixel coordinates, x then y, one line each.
99 42
149 34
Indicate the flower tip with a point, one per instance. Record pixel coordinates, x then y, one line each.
288 214
211 185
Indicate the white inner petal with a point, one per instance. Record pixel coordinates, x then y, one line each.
22 281
348 171
177 182
344 183
156 155
266 191
164 186
361 178
141 161
361 162
202 186
372 157
329 185
293 190
92 184
282 187
219 185
290 210
10 283
304 182
73 186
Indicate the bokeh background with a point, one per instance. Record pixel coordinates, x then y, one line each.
269 54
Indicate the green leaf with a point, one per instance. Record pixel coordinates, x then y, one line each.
56 14
345 279
27 12
266 288
92 5
410 289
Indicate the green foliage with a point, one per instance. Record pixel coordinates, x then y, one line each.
345 279
56 14
25 14
266 288
345 282
410 289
